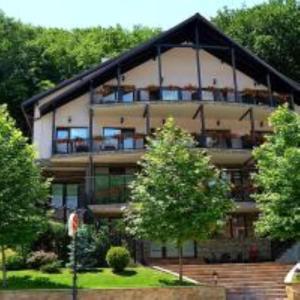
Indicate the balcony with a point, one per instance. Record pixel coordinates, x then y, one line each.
211 140
130 94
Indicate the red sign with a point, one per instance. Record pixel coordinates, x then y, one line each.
73 224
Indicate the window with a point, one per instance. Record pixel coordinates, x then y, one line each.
110 97
71 139
170 94
57 195
128 96
71 196
118 138
112 187
65 195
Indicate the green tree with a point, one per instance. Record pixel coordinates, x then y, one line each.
178 194
271 30
33 59
85 248
278 177
23 192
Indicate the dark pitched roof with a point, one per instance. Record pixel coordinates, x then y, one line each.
246 62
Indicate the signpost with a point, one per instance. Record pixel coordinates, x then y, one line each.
73 224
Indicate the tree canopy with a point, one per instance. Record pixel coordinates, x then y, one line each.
178 195
23 192
271 30
33 59
278 178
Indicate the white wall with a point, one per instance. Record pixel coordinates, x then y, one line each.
179 68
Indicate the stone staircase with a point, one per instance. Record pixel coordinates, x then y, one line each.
253 281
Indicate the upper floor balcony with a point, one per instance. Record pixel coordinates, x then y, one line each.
110 94
116 139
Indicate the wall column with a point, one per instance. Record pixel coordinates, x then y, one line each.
160 78
233 63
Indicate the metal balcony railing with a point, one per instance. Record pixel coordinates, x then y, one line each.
153 93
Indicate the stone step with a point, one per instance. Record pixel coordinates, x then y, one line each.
243 281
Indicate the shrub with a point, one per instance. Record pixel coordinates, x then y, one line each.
51 268
85 249
118 258
40 258
15 262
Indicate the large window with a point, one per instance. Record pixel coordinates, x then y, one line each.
57 195
112 187
72 139
118 138
65 195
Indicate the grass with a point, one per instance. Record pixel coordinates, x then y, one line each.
100 278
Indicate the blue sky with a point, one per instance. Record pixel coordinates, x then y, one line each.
84 13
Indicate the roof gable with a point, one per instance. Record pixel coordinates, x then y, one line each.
184 32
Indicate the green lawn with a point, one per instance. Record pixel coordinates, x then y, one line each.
100 278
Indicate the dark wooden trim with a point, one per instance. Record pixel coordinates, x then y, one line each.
270 89
292 102
243 116
197 111
233 62
91 119
197 50
195 249
119 96
53 130
193 46
160 78
146 115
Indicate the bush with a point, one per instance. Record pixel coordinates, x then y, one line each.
15 262
51 268
118 258
41 258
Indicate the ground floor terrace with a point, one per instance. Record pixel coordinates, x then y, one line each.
100 192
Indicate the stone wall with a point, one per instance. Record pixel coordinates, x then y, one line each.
215 249
179 293
293 291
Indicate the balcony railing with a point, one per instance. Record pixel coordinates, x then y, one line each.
229 140
128 95
138 142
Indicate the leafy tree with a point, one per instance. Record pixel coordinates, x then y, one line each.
85 248
33 59
278 177
23 192
178 194
271 30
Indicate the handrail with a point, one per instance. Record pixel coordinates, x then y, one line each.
190 93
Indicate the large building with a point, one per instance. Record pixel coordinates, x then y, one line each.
90 130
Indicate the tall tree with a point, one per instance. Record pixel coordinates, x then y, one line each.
278 178
271 30
33 59
178 194
23 192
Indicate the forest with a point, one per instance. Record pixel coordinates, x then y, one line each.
33 59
